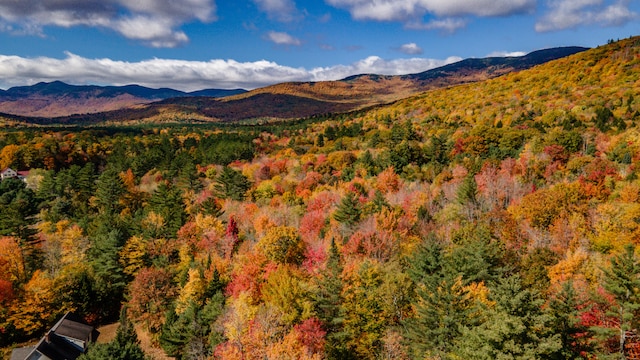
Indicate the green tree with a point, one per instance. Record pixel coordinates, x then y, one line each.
565 321
514 328
378 203
622 280
441 305
192 334
468 191
18 208
231 184
110 280
167 202
349 210
328 306
109 189
125 346
368 163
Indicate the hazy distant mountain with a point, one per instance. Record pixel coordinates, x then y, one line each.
280 101
56 98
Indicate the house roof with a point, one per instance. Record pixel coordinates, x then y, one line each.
55 347
56 344
71 327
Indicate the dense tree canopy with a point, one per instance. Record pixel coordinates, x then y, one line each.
494 220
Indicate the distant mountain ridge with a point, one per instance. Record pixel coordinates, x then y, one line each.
52 99
280 101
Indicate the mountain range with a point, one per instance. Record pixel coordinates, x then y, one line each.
56 98
60 103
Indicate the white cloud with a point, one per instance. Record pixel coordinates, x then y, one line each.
280 10
403 10
282 38
506 54
154 22
192 75
411 49
567 14
377 65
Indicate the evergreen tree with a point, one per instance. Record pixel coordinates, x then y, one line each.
514 328
367 162
622 280
231 184
109 189
475 254
468 191
18 208
565 320
125 346
167 202
328 305
378 203
191 335
349 210
110 280
441 305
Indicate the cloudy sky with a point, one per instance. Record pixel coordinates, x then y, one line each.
196 44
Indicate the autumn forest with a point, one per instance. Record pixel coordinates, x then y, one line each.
493 220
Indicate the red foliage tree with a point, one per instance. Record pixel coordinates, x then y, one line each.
151 293
6 292
311 334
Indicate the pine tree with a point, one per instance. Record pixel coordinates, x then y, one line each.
18 207
125 346
328 304
191 334
514 328
167 202
441 305
109 189
565 320
368 163
622 281
378 203
231 184
468 191
348 211
110 280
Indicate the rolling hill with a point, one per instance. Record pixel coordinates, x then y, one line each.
55 99
65 104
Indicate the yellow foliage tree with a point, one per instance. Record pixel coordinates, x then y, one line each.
8 156
283 245
36 310
11 260
133 255
287 292
192 291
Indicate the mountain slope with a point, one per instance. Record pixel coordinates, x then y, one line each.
600 83
287 100
371 89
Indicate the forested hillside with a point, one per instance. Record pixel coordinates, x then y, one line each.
59 103
496 220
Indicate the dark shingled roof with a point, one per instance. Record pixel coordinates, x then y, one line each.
73 329
56 344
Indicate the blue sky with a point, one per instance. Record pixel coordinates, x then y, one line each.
195 44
